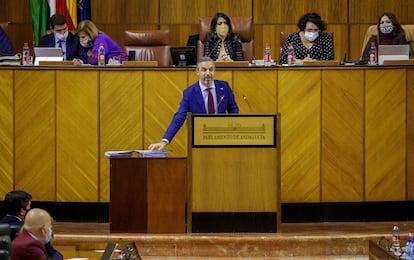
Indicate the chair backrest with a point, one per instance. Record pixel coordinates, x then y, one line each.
149 45
284 35
409 35
5 241
243 25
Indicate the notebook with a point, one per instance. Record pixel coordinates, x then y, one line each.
393 52
47 54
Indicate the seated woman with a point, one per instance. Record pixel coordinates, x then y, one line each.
390 32
221 43
6 47
90 39
311 43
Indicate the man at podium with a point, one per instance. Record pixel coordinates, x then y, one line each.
207 96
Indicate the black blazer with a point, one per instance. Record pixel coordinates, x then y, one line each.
73 49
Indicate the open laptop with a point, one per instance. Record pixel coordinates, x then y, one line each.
393 52
47 54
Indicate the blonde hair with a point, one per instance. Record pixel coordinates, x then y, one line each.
89 28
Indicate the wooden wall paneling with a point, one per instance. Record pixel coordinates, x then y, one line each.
299 96
6 132
340 38
342 136
356 40
121 118
188 11
289 12
260 90
16 11
125 12
35 133
385 135
77 135
368 11
162 96
410 134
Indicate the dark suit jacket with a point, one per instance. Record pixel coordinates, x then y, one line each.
6 47
73 48
193 102
24 246
12 220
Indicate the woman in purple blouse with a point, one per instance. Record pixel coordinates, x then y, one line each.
91 38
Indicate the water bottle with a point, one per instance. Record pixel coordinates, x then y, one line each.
101 55
26 54
372 54
395 247
291 55
409 247
267 58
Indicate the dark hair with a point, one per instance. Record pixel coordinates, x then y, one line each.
398 30
313 18
16 200
214 23
57 19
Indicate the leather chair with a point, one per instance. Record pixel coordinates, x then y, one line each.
284 35
150 45
409 35
5 241
243 25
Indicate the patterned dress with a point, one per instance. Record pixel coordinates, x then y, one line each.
322 48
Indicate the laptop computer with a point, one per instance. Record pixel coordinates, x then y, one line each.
47 54
393 52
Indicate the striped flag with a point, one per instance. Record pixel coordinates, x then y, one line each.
40 16
42 9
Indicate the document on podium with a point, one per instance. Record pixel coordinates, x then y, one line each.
143 153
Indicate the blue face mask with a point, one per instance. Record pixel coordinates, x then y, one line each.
48 236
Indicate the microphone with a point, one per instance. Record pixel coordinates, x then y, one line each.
343 60
248 104
218 104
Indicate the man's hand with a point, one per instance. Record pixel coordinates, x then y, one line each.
157 146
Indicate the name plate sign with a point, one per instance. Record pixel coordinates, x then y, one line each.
234 130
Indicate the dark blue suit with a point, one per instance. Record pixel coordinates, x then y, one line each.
73 48
193 102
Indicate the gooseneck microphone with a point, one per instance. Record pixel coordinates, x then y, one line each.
248 104
218 103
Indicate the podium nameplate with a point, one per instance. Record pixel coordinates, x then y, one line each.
234 130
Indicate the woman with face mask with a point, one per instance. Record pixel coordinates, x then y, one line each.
221 43
90 39
390 32
311 42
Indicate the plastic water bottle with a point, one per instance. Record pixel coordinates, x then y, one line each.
267 58
409 247
291 55
373 54
101 55
395 239
26 54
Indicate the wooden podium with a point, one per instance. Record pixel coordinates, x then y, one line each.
233 173
147 195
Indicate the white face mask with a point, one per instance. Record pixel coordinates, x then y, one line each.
222 30
61 37
311 36
386 28
85 43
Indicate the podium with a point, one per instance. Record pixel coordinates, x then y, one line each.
233 173
147 195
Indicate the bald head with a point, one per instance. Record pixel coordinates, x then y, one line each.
38 222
